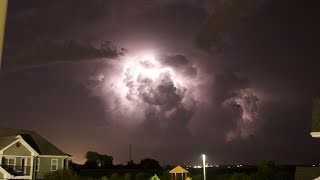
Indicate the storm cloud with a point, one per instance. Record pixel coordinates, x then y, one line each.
161 108
245 112
48 52
250 98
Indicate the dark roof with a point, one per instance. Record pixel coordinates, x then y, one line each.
316 116
5 141
38 143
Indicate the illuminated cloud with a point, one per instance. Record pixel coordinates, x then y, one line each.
158 96
149 97
244 108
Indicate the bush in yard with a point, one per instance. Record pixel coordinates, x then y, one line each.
165 176
115 176
104 178
142 176
127 176
155 177
61 175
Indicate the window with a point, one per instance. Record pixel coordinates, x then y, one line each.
54 164
38 164
10 161
18 145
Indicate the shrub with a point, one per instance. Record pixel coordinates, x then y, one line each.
61 175
115 176
104 178
165 176
155 177
142 176
127 176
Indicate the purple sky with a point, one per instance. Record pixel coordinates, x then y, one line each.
245 99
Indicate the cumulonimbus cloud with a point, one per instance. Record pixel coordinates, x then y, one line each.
161 106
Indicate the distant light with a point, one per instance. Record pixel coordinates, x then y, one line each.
314 165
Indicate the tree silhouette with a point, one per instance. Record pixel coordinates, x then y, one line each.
105 161
92 160
96 160
149 163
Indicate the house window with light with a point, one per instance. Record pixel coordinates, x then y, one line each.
54 164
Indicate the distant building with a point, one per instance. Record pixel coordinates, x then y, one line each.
315 130
303 173
27 155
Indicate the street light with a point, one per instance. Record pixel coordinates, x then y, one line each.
204 166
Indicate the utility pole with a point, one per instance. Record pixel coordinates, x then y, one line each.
130 153
3 15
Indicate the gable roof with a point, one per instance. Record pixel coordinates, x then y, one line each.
5 173
179 169
38 143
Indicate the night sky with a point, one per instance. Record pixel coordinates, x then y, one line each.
100 75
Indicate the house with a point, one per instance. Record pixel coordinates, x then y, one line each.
313 172
26 155
307 172
315 129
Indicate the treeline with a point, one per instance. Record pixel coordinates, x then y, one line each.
95 160
101 167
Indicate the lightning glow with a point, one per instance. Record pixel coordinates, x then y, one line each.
144 83
146 66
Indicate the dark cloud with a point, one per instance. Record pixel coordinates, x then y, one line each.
46 52
53 20
43 104
227 84
223 15
235 110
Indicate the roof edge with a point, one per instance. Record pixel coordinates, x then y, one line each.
315 134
